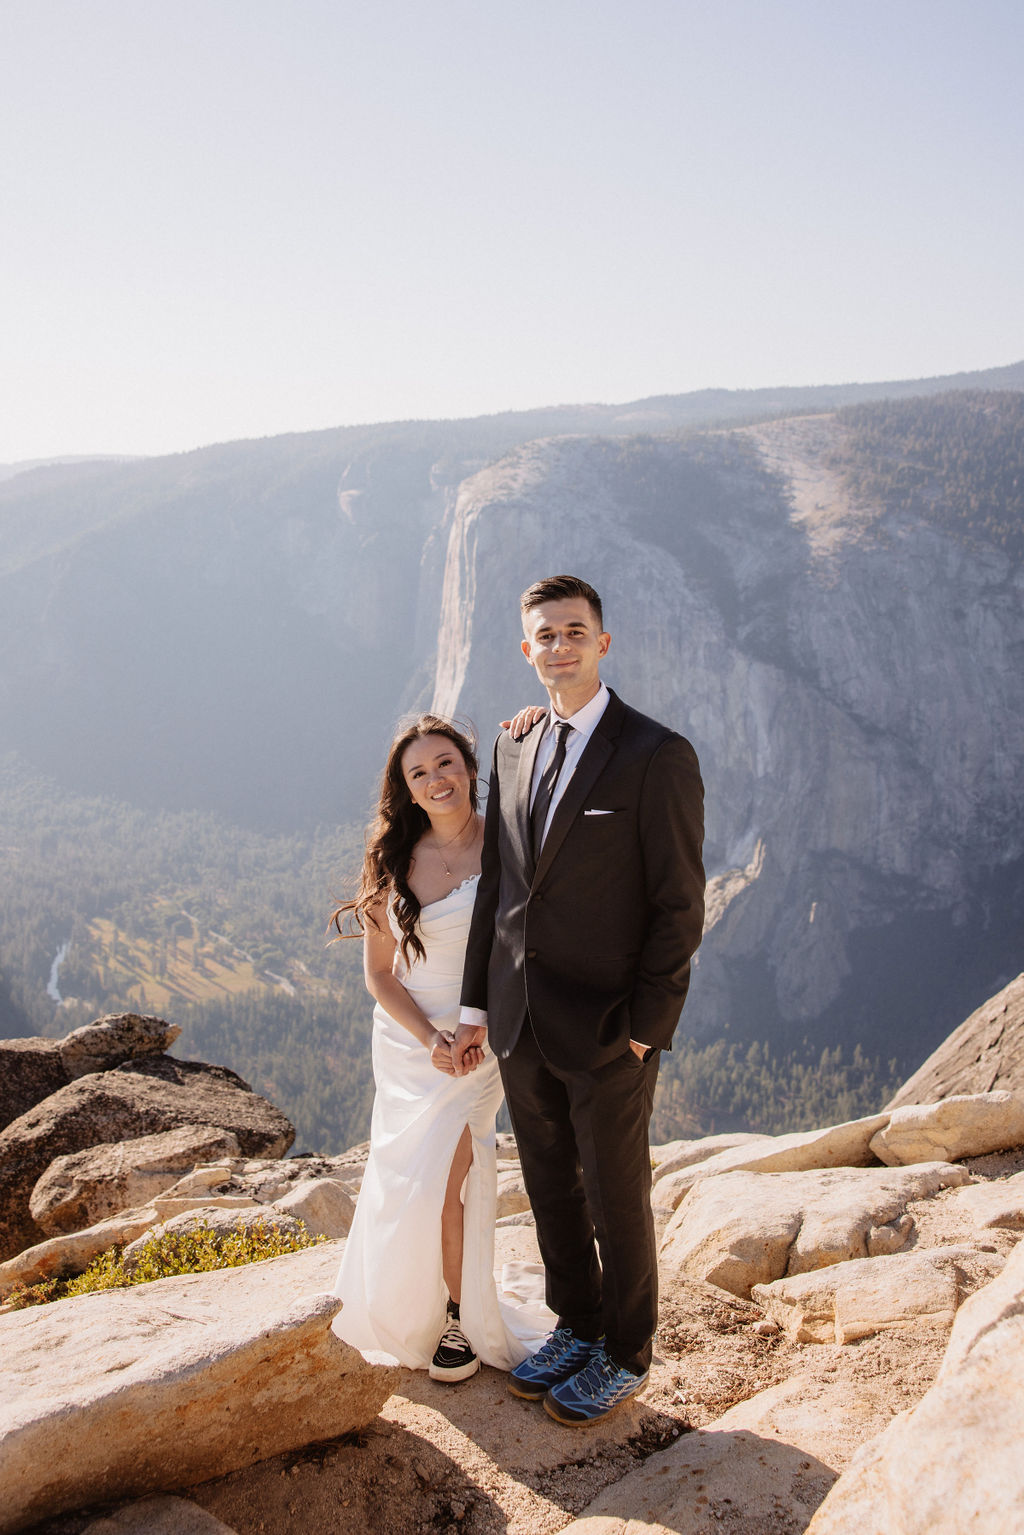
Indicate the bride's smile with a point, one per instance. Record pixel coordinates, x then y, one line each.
437 777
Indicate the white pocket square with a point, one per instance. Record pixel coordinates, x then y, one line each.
599 812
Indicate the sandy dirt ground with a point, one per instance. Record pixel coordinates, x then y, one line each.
473 1460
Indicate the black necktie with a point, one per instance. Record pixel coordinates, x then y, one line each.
546 788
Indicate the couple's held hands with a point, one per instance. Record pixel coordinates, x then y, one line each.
524 721
457 1054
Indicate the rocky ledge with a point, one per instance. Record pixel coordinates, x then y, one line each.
840 1350
120 1087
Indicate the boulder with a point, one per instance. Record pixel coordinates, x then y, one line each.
114 1039
167 1206
161 1515
997 1311
142 1097
266 1179
512 1196
953 1463
88 1186
711 1479
676 1155
351 1164
323 1205
261 1179
964 1125
747 1228
665 1149
853 1300
826 1416
996 1204
30 1070
984 1053
130 1392
845 1145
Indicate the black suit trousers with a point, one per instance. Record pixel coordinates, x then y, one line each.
583 1141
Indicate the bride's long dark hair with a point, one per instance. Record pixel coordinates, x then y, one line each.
395 830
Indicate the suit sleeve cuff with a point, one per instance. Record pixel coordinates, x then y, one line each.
473 1017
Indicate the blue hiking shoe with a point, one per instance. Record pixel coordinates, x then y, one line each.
592 1392
561 1356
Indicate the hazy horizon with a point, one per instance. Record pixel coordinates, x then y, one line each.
73 458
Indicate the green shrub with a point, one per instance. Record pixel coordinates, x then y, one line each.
196 1250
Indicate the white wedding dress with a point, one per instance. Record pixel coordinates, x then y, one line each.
390 1278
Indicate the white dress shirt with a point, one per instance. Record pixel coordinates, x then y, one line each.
584 723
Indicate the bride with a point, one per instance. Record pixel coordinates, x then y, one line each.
417 1274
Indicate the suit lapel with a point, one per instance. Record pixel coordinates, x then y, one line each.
524 778
589 768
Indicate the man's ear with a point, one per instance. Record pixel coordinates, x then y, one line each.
603 641
525 648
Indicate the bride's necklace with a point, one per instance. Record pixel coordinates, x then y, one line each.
439 847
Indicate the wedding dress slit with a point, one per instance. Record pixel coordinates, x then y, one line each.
453 1215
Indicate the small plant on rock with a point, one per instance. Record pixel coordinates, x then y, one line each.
196 1250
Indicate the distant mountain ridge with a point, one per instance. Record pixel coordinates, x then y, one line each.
663 411
237 628
25 466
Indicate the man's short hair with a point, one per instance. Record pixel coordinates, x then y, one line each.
555 588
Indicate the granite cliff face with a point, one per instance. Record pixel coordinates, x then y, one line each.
851 679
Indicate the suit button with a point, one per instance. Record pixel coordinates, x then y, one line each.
531 953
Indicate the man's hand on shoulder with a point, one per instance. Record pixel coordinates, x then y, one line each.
521 725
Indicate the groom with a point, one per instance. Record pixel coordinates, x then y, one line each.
590 905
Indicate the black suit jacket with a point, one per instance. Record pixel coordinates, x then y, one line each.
596 940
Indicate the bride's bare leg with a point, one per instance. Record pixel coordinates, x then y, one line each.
452 1216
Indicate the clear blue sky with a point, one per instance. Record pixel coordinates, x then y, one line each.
233 218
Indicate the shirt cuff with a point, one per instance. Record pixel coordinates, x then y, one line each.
473 1017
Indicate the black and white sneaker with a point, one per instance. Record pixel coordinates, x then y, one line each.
454 1358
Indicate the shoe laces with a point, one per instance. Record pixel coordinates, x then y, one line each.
596 1376
560 1341
453 1337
